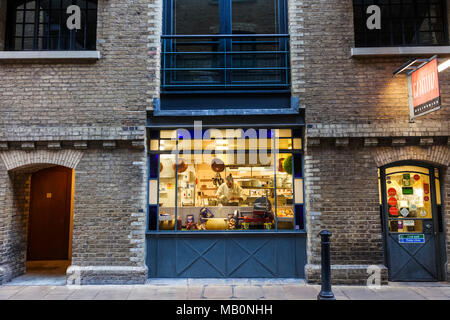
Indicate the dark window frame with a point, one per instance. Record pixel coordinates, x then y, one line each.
404 19
64 41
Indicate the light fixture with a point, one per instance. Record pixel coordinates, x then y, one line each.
443 66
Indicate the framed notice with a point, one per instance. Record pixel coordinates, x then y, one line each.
411 238
423 87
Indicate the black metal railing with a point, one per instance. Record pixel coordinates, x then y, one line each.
218 62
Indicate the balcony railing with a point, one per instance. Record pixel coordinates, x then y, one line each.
225 62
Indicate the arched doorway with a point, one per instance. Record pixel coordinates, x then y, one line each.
412 218
47 195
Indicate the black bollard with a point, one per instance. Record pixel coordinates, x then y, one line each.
325 292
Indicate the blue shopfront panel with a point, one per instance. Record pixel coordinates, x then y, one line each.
226 255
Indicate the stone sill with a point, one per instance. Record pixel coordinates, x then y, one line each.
400 51
49 56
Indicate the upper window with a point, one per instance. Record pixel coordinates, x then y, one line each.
225 17
403 23
225 45
42 25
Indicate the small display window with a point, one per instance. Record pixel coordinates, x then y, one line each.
409 200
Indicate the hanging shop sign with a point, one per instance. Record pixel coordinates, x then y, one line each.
411 238
423 87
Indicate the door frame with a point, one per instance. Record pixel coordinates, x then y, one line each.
439 248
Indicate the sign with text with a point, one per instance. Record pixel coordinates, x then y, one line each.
423 85
411 238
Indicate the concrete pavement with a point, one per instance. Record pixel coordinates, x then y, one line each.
230 289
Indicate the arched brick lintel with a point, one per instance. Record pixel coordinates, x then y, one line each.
19 159
438 155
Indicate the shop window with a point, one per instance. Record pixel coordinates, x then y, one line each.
42 25
227 180
403 23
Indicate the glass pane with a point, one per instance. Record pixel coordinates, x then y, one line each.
438 192
215 193
167 187
408 195
405 226
255 17
205 13
285 196
407 168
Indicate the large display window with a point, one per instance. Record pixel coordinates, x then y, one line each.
226 180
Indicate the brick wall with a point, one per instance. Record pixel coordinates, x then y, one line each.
342 196
108 222
344 96
14 209
73 101
51 113
109 216
353 110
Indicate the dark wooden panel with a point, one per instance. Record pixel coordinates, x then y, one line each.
49 222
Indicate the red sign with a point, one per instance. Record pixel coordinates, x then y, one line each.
392 192
425 89
392 202
393 211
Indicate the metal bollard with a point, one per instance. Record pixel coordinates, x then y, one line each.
325 292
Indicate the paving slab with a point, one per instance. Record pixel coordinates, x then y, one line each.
30 293
113 294
273 292
194 292
297 292
433 293
157 292
217 292
339 294
357 293
247 292
84 294
398 294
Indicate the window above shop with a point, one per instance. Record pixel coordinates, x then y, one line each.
41 25
225 45
403 23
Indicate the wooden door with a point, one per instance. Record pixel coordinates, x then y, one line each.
49 221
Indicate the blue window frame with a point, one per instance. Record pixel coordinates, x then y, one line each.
225 45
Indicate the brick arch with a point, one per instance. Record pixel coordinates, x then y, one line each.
438 155
19 159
